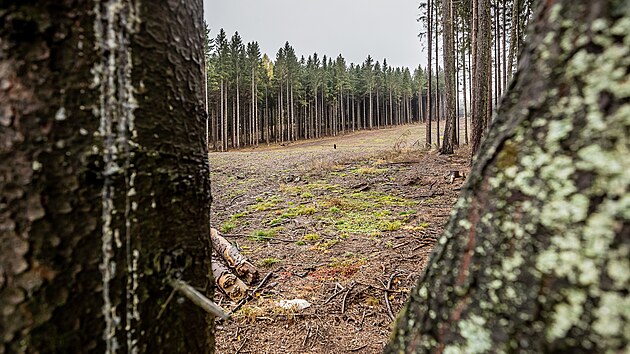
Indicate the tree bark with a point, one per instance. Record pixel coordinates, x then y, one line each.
535 256
481 58
450 136
465 94
429 75
436 21
104 189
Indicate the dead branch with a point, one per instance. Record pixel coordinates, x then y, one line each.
400 245
250 295
241 347
387 303
357 349
382 289
308 334
334 295
343 302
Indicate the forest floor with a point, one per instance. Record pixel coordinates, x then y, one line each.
335 227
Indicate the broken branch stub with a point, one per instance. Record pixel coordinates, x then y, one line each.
198 298
243 268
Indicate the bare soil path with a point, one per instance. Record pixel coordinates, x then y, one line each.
337 222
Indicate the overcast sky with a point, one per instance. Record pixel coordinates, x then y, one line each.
354 28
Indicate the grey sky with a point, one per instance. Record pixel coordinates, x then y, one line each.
354 28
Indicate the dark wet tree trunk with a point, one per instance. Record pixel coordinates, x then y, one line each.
104 189
535 257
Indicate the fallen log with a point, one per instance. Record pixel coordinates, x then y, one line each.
234 259
228 282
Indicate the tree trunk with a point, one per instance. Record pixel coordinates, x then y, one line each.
222 118
429 75
465 94
516 9
481 58
104 177
535 256
450 136
237 124
437 75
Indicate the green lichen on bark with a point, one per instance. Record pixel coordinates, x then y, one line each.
536 258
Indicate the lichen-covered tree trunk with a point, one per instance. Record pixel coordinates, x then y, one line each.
535 258
104 190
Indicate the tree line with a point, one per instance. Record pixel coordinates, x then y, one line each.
253 99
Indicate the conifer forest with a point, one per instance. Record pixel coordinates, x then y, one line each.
253 99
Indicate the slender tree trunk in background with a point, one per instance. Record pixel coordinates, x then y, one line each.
391 107
222 119
450 136
343 115
258 130
293 125
429 88
513 37
276 125
316 122
288 115
436 21
234 126
281 115
456 67
252 117
237 125
266 117
504 43
348 108
515 271
226 117
378 111
489 105
420 106
480 73
370 111
473 60
105 191
363 122
497 56
465 94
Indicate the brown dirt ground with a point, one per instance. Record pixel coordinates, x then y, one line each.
327 221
